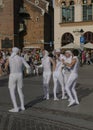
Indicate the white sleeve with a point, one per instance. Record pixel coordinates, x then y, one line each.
25 63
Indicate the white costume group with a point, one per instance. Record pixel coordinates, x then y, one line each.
65 71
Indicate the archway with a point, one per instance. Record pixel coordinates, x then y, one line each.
67 38
88 37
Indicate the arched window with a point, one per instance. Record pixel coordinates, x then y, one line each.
67 38
63 3
88 37
72 2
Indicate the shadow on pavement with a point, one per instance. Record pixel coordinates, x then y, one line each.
81 91
84 92
3 82
34 102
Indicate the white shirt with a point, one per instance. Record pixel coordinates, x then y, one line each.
16 64
46 64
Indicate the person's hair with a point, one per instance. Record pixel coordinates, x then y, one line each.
75 52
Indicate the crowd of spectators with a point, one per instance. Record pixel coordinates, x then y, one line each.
33 58
87 57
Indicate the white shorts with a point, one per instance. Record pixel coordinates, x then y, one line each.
15 80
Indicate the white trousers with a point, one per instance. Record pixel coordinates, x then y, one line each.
46 81
70 87
57 77
16 80
65 76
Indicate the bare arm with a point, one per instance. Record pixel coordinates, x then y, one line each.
7 64
53 63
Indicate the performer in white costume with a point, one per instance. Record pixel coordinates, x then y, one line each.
66 71
46 64
16 78
72 80
57 76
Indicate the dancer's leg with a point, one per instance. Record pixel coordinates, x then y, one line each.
75 93
13 98
69 86
60 79
48 77
55 87
44 86
20 92
12 86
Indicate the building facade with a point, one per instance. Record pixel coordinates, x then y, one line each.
73 21
25 23
39 32
6 23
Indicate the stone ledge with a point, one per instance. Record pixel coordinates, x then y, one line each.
76 24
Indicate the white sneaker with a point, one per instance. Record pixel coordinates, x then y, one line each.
47 97
64 97
56 99
22 108
14 110
77 102
71 103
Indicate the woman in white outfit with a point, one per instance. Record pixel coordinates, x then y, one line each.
57 76
72 80
46 64
16 78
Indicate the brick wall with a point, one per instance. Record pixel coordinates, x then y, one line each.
6 21
35 26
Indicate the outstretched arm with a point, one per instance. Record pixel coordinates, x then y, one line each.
25 63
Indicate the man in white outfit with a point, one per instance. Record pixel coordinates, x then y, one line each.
57 75
16 78
72 80
46 64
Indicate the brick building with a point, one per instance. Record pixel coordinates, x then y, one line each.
73 22
6 21
26 23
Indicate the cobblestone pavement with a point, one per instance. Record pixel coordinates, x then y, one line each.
48 115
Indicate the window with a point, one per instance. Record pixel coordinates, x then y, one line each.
67 38
87 12
67 14
88 37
